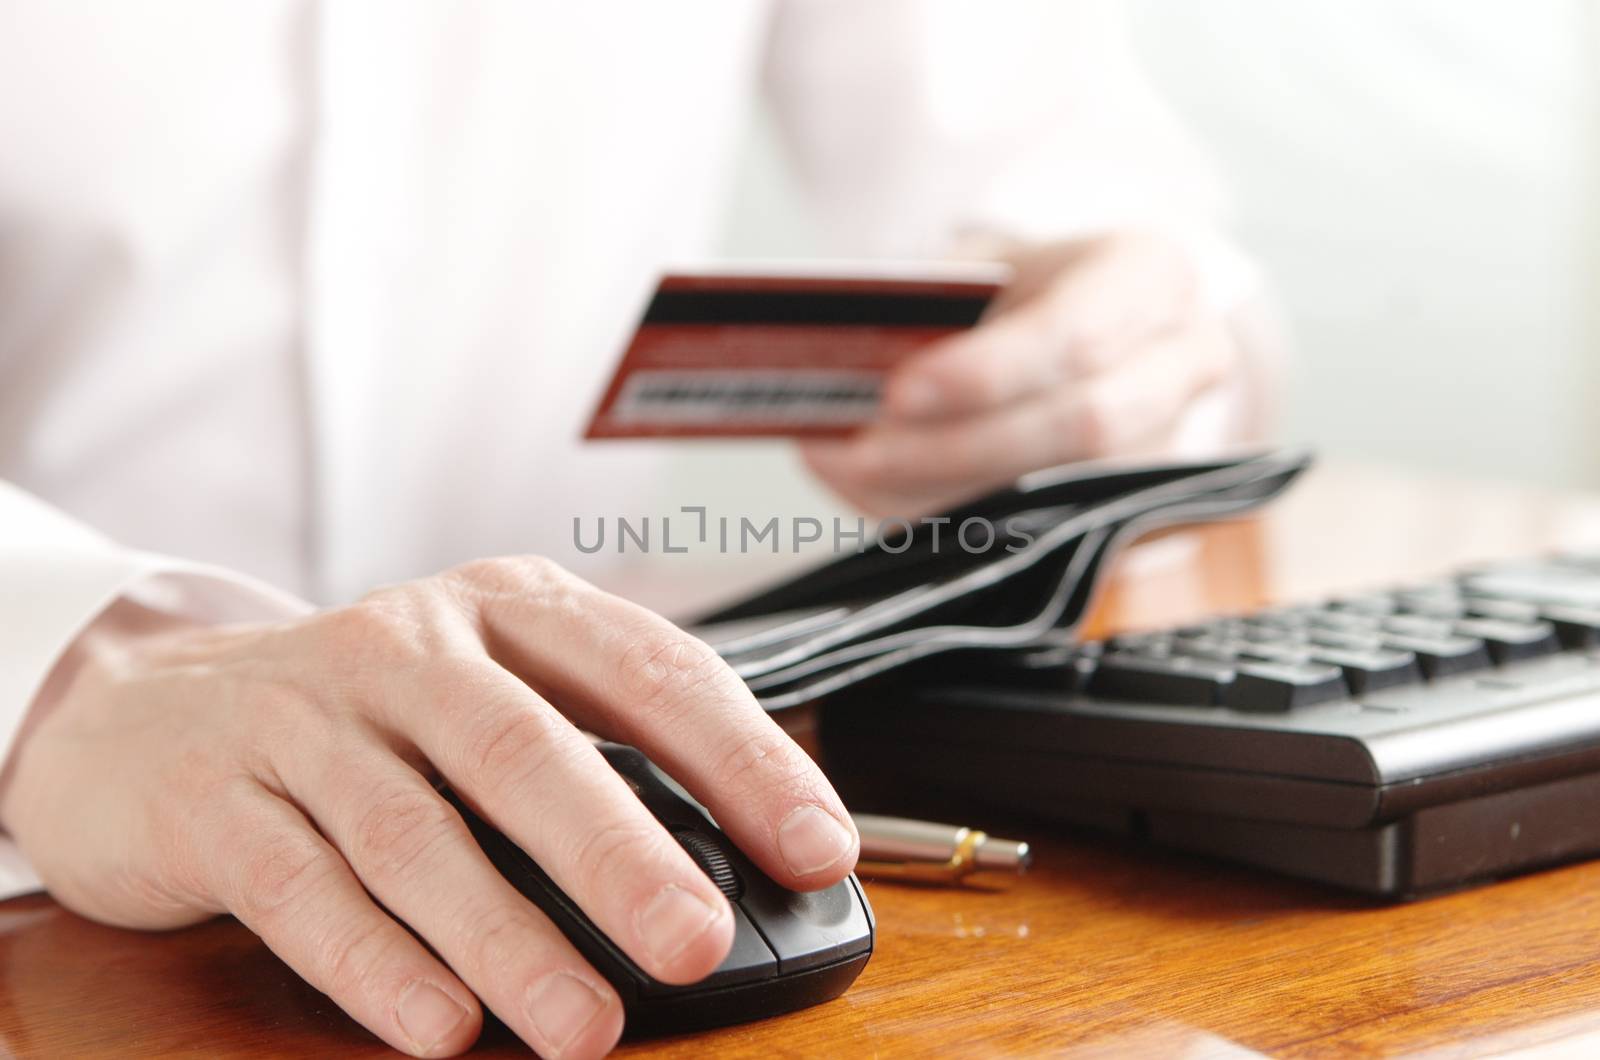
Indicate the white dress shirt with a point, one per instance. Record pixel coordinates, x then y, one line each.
297 298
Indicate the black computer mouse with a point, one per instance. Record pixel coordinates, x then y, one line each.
790 950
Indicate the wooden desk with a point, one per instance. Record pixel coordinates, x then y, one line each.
1104 950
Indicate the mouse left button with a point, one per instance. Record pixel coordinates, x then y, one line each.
749 959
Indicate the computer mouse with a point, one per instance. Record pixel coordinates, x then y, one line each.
790 949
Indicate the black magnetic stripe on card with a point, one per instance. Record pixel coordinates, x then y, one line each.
843 308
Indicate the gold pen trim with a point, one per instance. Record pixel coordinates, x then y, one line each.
963 862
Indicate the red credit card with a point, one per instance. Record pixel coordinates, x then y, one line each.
752 352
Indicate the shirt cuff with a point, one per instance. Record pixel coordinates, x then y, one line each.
53 594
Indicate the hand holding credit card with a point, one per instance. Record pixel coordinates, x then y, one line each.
749 352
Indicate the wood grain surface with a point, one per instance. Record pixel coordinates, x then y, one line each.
1104 950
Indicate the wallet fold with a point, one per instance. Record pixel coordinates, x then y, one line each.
926 589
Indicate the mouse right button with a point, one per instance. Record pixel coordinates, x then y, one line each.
809 930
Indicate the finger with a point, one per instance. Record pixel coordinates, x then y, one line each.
539 780
850 470
630 675
1117 412
999 361
413 852
1096 308
285 883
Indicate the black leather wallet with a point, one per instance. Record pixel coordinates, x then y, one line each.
1014 569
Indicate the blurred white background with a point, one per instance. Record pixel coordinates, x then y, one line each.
1421 180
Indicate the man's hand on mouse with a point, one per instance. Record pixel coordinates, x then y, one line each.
1097 348
285 774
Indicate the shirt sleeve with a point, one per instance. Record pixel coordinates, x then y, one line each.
909 119
56 577
917 125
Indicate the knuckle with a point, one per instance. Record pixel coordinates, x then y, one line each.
1093 424
478 573
165 895
764 761
507 746
277 876
397 834
1090 348
1217 357
373 629
350 956
667 673
504 575
613 851
458 676
396 630
495 938
985 384
506 589
191 817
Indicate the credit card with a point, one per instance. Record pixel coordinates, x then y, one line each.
782 351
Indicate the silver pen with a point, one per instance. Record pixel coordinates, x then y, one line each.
926 851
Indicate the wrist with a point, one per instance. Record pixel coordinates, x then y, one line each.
115 633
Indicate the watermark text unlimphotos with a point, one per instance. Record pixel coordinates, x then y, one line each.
694 529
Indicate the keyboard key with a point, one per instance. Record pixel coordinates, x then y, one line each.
1221 627
1588 562
1346 621
1577 627
1547 679
1511 641
1283 617
1433 606
1368 604
1369 671
1261 633
1418 626
1289 653
1282 657
1332 638
1278 620
1539 583
1496 607
1177 680
1144 643
1208 647
1271 688
1441 587
1442 657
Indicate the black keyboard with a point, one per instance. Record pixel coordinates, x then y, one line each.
1398 742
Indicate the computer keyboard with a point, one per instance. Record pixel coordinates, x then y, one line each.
1398 742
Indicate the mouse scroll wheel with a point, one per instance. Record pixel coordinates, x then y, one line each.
707 853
